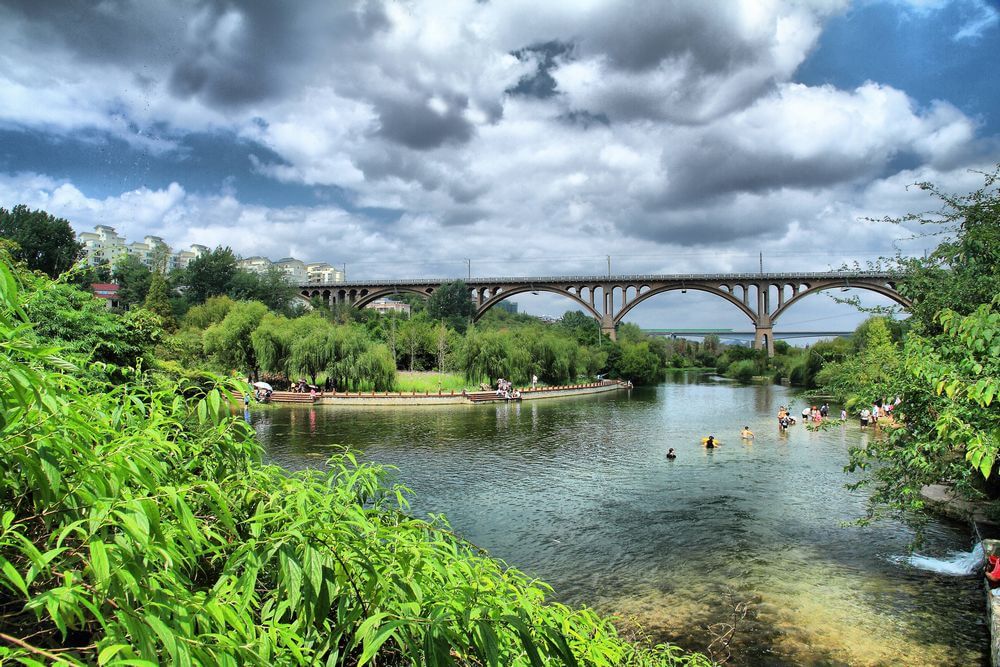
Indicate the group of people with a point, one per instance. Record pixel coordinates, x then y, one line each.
302 387
878 410
785 418
505 390
711 443
869 415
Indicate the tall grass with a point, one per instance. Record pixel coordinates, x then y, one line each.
138 525
429 381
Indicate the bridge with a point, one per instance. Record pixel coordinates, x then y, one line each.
762 297
734 335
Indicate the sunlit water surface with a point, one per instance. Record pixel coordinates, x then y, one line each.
579 493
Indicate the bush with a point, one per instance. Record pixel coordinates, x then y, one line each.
742 370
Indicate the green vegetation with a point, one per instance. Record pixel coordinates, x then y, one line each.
138 525
43 242
426 381
944 363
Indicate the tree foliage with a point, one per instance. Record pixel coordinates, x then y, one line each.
869 375
133 279
230 342
209 275
158 301
452 303
949 417
44 242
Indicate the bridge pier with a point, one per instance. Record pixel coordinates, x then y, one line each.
608 327
764 336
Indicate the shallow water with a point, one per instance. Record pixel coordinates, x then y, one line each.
579 493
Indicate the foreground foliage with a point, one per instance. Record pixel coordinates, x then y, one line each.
141 527
949 377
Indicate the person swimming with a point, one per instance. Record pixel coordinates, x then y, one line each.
670 453
710 442
746 433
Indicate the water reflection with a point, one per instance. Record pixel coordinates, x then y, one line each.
579 492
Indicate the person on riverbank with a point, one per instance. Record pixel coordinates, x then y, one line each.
671 454
805 414
746 433
534 381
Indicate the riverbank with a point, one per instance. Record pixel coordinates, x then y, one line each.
441 397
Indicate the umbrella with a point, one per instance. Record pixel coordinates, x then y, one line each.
263 385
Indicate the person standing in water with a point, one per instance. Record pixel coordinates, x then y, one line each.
670 453
710 443
746 433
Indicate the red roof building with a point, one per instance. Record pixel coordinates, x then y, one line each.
106 291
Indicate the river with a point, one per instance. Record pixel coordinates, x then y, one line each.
579 493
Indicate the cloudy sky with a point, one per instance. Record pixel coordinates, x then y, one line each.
532 138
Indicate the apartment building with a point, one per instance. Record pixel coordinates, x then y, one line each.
385 306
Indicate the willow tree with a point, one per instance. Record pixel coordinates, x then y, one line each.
493 354
229 342
313 346
272 342
360 363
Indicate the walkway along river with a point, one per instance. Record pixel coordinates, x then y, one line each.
579 493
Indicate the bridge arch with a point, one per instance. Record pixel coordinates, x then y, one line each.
497 298
368 298
744 308
884 290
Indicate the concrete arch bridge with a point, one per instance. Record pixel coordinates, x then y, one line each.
762 297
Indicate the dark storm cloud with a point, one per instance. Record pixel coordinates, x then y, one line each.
226 53
724 223
540 83
585 119
708 170
418 126
635 37
378 163
463 215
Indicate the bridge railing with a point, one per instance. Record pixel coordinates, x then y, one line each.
647 277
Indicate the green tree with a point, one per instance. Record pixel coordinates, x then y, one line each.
158 301
869 375
948 416
133 279
639 364
452 303
313 346
210 275
488 355
82 324
272 343
204 315
45 243
415 339
270 288
229 342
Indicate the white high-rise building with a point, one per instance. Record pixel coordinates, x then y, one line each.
103 245
324 274
294 270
